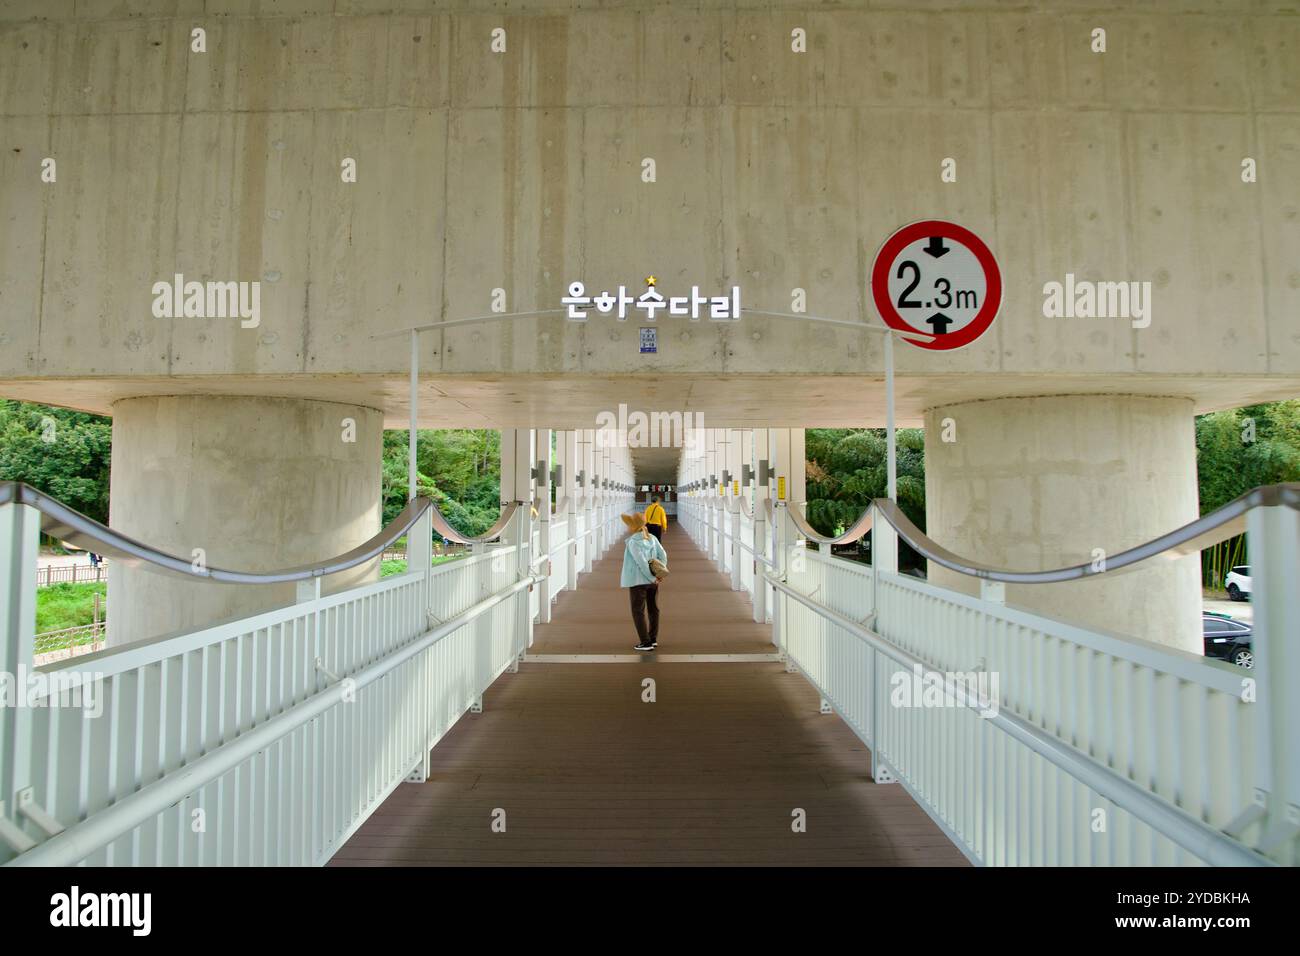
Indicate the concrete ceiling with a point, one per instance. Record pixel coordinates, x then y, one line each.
655 466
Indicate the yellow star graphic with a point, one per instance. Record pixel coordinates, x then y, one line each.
650 280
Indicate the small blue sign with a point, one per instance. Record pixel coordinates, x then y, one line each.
649 339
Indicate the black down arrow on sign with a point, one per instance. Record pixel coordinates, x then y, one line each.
936 248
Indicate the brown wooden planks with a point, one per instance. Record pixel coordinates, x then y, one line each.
708 774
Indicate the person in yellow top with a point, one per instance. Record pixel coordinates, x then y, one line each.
656 519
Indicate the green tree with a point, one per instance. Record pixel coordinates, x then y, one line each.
460 469
847 467
1237 450
63 453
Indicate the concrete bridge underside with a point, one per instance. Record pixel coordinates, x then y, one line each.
489 178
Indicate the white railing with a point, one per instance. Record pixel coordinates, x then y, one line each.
349 692
575 534
1029 740
264 741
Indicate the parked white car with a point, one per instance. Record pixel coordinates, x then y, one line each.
1238 583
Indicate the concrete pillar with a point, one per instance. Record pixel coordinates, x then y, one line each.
257 484
1036 483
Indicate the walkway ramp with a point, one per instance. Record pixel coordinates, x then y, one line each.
712 772
700 614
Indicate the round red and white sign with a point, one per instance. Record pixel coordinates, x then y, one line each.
937 278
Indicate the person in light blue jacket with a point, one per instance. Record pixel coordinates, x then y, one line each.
643 587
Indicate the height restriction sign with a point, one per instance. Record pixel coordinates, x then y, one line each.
938 278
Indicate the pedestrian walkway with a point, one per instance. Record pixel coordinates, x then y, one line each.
714 771
699 613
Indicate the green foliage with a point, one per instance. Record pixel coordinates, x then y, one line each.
460 469
72 466
68 605
847 467
398 566
1230 461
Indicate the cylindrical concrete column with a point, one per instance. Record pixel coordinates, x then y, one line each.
257 484
1047 482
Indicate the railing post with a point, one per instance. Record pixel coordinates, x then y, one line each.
544 518
524 543
19 538
1273 536
879 700
419 555
734 518
782 559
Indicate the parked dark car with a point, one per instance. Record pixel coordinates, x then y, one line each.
1228 640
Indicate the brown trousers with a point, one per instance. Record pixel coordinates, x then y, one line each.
644 598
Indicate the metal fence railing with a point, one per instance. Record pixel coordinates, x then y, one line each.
1032 740
262 741
51 646
70 574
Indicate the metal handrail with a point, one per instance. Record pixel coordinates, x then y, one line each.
1190 539
857 530
444 528
67 524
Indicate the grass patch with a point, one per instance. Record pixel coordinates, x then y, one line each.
68 605
399 567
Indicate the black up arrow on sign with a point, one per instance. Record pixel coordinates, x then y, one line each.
939 322
936 248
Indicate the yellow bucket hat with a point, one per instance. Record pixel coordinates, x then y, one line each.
634 521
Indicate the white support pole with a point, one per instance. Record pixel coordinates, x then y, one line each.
884 539
780 443
712 487
717 463
798 468
419 558
734 458
414 399
19 538
517 463
517 486
599 459
773 456
568 448
543 456
762 492
1273 536
586 452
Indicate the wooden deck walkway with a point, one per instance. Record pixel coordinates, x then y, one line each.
710 773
